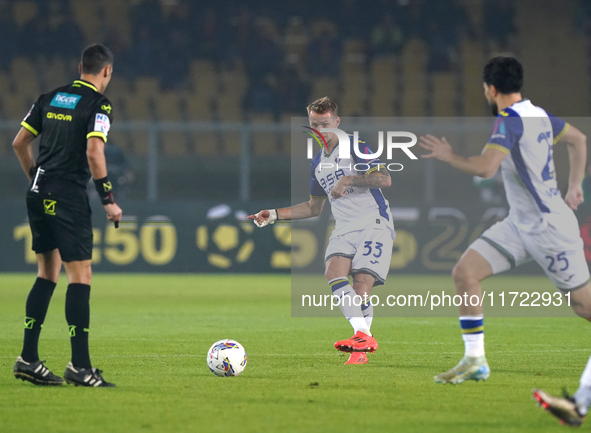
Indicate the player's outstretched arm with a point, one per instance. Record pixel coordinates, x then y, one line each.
576 143
95 153
24 152
300 211
484 165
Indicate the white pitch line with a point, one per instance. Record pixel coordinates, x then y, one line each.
303 355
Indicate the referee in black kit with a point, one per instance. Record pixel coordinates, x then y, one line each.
73 122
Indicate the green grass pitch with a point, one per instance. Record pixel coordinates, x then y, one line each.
150 334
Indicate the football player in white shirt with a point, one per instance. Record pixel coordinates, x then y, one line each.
541 225
361 243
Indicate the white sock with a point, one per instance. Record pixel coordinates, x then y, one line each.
583 394
474 345
473 335
367 310
342 289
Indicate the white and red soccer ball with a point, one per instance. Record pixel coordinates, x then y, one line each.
226 358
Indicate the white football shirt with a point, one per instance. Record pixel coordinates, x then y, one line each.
360 207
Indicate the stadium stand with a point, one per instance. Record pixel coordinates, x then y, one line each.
357 65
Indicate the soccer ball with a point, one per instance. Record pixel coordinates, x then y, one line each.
226 358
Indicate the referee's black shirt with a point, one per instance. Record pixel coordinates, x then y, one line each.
66 118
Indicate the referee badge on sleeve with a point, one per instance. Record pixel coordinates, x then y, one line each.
102 123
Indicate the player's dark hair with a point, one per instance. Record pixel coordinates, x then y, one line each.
505 73
323 105
95 57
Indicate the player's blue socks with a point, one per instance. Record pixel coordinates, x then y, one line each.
78 317
35 310
344 292
473 335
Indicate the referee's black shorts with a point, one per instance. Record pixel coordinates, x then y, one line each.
60 217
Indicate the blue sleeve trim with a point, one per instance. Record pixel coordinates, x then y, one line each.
559 127
507 130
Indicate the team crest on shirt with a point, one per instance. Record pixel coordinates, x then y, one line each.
102 123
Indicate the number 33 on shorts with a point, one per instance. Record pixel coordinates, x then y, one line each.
370 251
377 247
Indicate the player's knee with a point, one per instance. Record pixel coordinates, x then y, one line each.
49 266
580 301
362 288
462 273
49 274
79 272
329 274
582 310
363 283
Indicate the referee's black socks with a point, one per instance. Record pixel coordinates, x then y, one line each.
35 310
78 317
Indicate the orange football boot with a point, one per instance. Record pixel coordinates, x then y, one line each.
357 358
360 342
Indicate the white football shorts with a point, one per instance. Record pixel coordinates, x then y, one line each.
560 255
370 250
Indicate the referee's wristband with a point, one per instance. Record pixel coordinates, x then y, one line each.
105 190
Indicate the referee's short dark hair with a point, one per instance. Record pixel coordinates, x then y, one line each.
505 73
95 57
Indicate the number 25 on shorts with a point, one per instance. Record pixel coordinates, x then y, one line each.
561 262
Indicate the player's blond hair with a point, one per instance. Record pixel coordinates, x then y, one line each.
323 105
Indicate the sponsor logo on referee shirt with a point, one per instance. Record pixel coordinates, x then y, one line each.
65 100
56 116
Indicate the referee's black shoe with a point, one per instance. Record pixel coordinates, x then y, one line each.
35 372
85 377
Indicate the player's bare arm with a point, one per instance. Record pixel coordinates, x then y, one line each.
376 179
576 143
95 153
24 152
308 209
484 165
